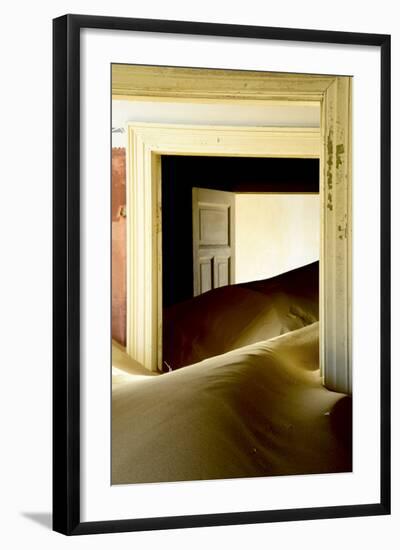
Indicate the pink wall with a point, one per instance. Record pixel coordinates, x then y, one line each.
118 254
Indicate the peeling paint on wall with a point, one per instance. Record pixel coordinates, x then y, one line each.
329 174
342 229
330 161
339 152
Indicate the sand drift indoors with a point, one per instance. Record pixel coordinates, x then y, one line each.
258 410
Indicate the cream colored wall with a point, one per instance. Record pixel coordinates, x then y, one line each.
275 233
169 112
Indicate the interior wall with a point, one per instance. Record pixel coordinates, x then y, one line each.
118 250
228 114
275 233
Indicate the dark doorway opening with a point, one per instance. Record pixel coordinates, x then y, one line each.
180 174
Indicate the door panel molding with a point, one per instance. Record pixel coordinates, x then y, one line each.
211 210
221 271
205 273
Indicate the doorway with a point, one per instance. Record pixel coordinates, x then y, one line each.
193 262
147 144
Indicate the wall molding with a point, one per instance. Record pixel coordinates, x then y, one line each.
182 83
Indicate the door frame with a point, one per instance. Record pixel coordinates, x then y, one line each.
147 142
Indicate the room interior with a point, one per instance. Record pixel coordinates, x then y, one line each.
239 391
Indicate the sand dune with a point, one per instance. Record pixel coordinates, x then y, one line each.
256 411
234 316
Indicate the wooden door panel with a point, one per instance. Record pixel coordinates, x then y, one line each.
205 274
221 272
213 225
213 239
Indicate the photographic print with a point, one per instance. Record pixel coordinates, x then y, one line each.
221 194
221 274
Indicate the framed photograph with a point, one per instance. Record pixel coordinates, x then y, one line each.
221 274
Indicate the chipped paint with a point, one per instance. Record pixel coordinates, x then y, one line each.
329 173
339 161
339 152
342 229
330 160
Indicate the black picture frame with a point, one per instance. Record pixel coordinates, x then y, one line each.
66 273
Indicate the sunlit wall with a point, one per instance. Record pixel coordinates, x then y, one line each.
275 233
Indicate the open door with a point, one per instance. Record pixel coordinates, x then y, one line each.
213 239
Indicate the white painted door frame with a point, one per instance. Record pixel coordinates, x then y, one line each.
332 144
146 144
